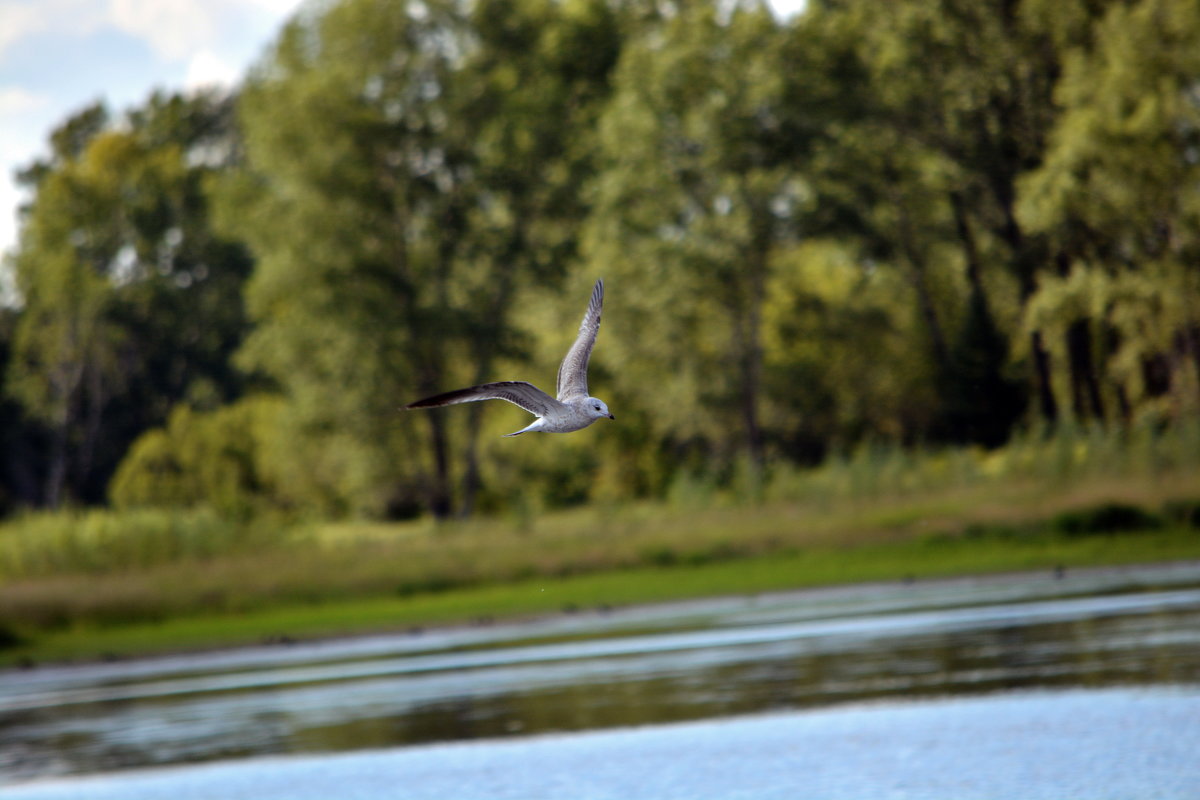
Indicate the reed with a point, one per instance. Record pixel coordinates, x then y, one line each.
76 570
987 551
99 541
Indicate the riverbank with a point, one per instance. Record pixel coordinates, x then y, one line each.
102 583
646 668
906 560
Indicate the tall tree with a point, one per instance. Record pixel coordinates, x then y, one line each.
1118 195
536 80
692 203
411 171
354 203
129 303
65 366
967 89
21 439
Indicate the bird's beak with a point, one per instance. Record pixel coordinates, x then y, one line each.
610 416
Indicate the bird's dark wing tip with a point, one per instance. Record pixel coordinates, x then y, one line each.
428 402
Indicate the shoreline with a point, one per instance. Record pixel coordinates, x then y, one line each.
1074 580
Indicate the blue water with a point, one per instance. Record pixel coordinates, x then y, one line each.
1115 744
1078 685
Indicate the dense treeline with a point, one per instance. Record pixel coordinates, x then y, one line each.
911 221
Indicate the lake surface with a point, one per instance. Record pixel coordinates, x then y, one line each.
1061 683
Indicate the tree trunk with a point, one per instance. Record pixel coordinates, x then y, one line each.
937 338
1191 346
1024 263
748 327
66 384
470 480
751 377
93 420
485 347
1085 386
966 236
1047 405
56 475
439 500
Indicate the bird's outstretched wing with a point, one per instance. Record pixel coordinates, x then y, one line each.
519 393
572 373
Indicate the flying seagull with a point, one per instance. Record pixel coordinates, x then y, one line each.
573 409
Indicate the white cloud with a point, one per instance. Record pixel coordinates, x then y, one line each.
172 28
10 198
206 69
22 18
25 115
14 101
191 43
17 21
176 29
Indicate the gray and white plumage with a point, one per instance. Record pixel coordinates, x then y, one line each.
571 411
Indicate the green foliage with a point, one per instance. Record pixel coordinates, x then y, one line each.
406 186
206 626
1055 459
839 365
1117 192
692 202
336 572
20 437
826 240
1149 317
1185 512
216 459
129 302
110 542
1105 519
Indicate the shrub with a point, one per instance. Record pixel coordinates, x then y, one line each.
1183 512
214 459
1106 518
8 638
101 541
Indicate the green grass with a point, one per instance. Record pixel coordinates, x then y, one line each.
918 558
82 584
333 563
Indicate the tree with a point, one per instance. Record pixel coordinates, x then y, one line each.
955 108
21 439
691 204
1117 193
130 304
220 459
536 79
840 363
410 173
64 367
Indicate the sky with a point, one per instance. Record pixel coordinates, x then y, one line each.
57 56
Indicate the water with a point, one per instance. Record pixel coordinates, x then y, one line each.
837 671
1108 744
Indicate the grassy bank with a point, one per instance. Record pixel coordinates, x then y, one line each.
346 590
83 585
915 559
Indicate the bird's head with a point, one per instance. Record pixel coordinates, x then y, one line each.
597 408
